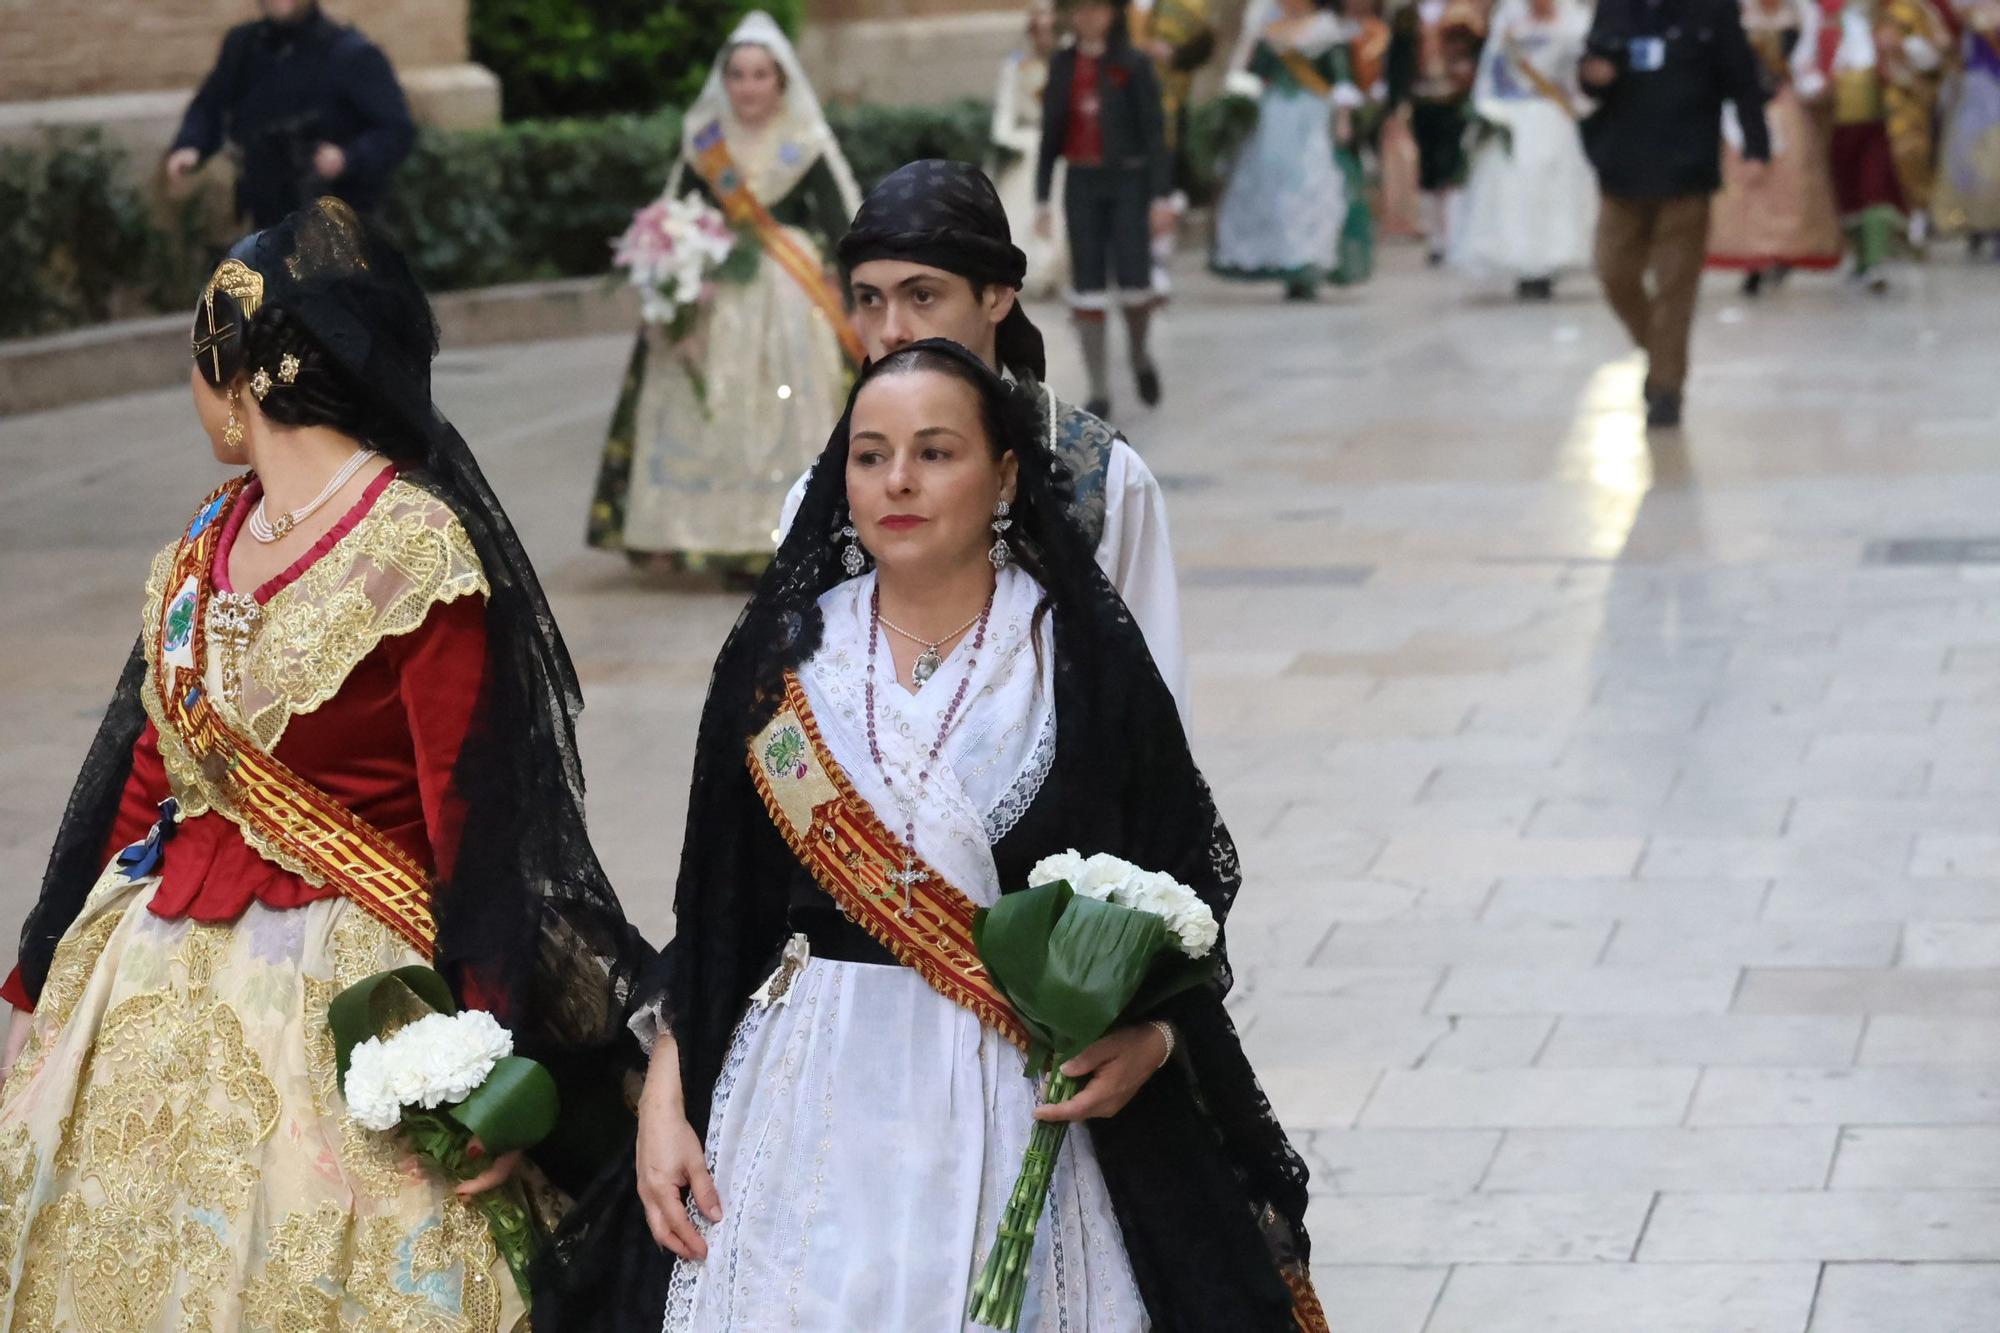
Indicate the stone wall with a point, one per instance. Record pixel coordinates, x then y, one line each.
78 48
128 67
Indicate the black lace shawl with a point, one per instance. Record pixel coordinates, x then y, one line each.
527 912
1205 1186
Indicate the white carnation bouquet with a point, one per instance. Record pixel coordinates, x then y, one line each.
410 1062
1095 943
436 1061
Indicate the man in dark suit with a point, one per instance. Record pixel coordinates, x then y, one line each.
1660 71
311 106
1101 114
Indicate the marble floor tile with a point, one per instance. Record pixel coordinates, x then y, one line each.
1918 1157
1966 992
1758 943
1507 1098
1589 990
1669 903
1865 897
1957 944
1681 1160
1901 1039
1909 1226
1936 1297
1397 1161
1520 944
1504 856
1702 1039
1655 1298
1480 1229
1361 1298
1877 1095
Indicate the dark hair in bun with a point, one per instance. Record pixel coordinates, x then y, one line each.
323 393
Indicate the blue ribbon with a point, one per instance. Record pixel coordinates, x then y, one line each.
143 858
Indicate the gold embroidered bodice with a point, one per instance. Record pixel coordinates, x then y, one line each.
269 664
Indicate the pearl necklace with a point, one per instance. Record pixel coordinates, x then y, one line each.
267 531
928 661
909 876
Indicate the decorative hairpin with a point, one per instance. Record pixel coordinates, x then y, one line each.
260 384
288 368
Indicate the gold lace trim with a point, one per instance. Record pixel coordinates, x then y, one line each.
408 554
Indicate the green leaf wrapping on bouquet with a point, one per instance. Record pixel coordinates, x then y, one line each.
379 1005
515 1107
1071 965
741 265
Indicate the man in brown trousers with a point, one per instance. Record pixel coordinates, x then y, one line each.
1660 71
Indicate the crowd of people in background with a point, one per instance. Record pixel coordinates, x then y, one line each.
1520 141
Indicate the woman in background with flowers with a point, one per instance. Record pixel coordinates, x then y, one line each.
712 425
344 742
934 689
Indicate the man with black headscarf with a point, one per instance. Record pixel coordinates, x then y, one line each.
930 255
312 107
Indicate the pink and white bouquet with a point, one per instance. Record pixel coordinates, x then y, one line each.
674 252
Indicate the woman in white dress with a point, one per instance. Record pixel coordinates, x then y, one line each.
908 716
708 433
1530 206
1017 135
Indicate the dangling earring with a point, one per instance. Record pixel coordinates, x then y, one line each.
852 558
232 430
1001 553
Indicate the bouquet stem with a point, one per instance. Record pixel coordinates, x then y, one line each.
516 1232
1003 1283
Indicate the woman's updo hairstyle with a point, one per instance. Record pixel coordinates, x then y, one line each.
320 392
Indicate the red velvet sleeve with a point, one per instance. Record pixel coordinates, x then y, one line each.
138 807
441 674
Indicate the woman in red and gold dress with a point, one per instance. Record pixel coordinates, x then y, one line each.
343 743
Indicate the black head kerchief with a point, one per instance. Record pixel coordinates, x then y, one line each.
948 215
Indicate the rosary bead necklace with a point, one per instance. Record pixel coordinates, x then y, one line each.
909 876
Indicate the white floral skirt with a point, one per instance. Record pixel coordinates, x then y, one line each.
175 1156
864 1137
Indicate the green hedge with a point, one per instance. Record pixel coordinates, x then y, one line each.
598 57
543 199
80 243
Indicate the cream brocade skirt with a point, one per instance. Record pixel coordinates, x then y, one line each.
175 1154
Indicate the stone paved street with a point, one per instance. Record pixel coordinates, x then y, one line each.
1621 939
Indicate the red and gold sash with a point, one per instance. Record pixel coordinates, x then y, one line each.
864 867
713 161
250 786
